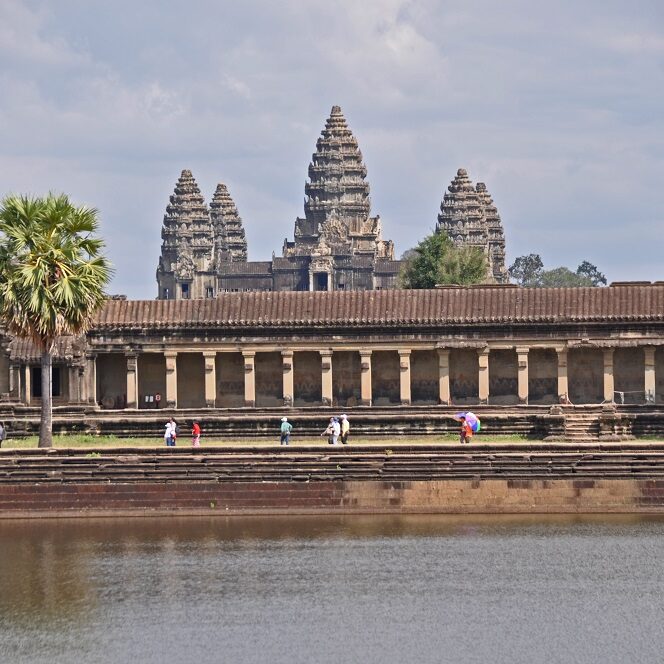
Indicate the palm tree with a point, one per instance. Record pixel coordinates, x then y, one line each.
52 277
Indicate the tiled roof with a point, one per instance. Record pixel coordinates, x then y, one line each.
21 349
393 308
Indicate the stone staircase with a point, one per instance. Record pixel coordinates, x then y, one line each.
581 427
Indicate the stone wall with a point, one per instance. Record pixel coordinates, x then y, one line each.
503 377
424 377
464 382
307 379
191 380
385 378
346 378
151 378
269 380
629 371
111 380
230 380
585 368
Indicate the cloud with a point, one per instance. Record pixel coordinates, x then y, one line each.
558 112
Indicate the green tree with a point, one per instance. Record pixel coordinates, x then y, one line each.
527 270
587 269
437 261
52 277
562 277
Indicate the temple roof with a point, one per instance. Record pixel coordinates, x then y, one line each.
392 308
230 239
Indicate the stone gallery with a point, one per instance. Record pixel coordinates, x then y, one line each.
337 245
495 345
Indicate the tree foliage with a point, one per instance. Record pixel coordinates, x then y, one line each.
52 276
529 271
438 261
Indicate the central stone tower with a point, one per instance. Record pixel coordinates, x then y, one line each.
337 234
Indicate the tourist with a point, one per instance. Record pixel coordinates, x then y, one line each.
345 428
466 431
3 433
336 430
170 434
196 434
329 432
286 428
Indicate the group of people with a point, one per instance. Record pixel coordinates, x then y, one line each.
172 430
337 430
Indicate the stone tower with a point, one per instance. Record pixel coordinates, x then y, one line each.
496 237
230 243
187 244
470 218
337 231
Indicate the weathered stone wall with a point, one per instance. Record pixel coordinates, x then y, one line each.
542 376
4 370
459 496
629 372
230 380
424 377
151 378
464 382
585 367
346 372
269 380
112 380
659 374
307 384
503 377
191 380
385 378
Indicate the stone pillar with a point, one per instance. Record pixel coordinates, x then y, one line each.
649 381
249 378
444 396
132 380
74 385
27 384
326 377
483 381
563 386
522 363
91 378
15 382
210 358
404 377
608 374
171 358
365 378
289 394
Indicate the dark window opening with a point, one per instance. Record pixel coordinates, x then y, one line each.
36 386
209 291
185 291
167 293
320 281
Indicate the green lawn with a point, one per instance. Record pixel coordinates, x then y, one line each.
84 441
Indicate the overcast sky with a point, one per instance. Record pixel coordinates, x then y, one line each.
558 107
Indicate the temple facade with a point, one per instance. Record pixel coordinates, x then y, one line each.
470 218
501 346
337 245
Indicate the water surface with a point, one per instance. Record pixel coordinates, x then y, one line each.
333 589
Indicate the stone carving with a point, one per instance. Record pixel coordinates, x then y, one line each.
230 243
470 218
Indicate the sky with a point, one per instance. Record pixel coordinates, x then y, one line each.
557 107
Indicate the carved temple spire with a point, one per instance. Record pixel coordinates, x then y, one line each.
496 236
230 243
337 203
186 236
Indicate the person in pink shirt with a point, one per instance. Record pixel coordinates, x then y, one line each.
196 434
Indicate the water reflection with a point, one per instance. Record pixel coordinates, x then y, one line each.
387 588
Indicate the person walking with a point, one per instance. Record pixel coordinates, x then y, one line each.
170 434
466 431
286 428
336 430
196 434
345 429
3 433
329 431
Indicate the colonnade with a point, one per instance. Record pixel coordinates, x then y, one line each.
516 360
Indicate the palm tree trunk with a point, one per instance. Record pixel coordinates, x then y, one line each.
46 428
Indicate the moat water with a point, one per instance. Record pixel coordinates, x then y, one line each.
328 589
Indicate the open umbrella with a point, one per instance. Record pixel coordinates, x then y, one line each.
471 418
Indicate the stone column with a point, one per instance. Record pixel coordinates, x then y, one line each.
289 376
210 359
563 386
171 358
249 378
404 377
522 363
608 374
326 377
649 381
27 383
366 395
15 382
132 380
74 386
483 356
91 378
444 396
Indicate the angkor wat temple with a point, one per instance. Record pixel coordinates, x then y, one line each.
337 245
